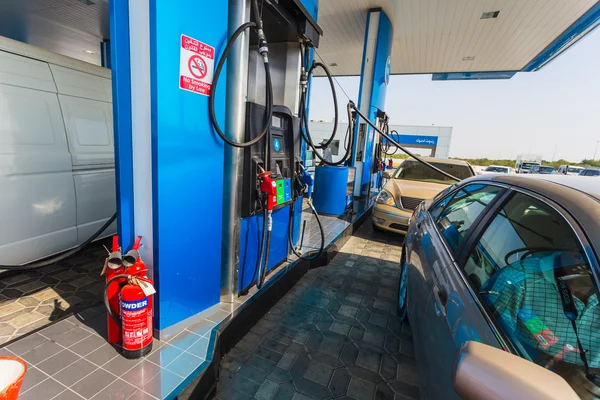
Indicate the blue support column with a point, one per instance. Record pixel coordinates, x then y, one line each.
374 80
169 159
121 89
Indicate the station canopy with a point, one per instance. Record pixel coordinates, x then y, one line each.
430 36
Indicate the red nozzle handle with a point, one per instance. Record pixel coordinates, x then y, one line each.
138 241
115 243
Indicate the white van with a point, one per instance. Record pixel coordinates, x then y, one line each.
57 167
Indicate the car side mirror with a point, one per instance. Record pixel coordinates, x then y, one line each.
484 372
387 174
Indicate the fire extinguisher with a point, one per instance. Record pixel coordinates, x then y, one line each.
135 306
113 267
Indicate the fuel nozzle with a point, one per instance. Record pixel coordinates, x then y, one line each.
309 181
269 188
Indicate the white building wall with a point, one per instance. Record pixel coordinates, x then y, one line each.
322 130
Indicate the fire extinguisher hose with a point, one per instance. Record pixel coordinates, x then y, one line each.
61 256
115 317
114 278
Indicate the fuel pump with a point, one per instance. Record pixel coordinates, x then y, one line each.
271 138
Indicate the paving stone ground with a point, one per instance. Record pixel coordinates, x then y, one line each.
32 299
333 335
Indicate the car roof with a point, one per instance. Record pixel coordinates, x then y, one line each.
450 161
579 195
497 166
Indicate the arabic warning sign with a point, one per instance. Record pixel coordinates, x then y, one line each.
196 66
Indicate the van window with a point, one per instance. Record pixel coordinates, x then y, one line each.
532 273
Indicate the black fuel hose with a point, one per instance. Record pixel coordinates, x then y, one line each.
258 269
308 140
399 146
389 144
110 312
335 105
291 229
61 256
266 265
268 88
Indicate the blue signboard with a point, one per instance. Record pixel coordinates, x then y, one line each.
415 140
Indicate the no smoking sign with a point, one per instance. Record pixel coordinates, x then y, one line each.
196 66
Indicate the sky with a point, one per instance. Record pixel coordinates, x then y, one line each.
554 112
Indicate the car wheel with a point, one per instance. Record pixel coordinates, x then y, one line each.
402 291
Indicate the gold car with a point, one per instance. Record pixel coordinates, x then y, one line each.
408 186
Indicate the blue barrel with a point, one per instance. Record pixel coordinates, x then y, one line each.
332 189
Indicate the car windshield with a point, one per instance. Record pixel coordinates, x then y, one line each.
527 165
496 169
574 170
547 169
415 171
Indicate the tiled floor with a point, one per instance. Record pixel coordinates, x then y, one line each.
332 227
71 359
334 335
32 299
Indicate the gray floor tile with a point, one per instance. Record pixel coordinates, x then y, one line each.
27 344
93 383
87 345
254 374
165 355
141 395
41 353
184 340
266 391
71 337
75 372
33 376
68 395
119 389
141 373
118 365
47 389
58 361
319 373
57 329
104 354
185 364
162 384
361 390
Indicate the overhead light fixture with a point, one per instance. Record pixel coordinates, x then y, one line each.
90 52
88 2
490 15
333 65
469 58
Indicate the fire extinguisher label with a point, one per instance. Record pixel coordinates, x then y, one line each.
137 323
134 305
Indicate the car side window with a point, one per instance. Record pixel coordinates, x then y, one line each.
461 210
530 270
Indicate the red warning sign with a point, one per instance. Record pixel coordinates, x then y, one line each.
196 66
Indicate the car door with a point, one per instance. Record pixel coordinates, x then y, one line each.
440 234
505 289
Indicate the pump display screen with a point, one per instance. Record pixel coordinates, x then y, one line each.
276 121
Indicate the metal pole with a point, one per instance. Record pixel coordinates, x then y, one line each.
554 152
237 88
596 150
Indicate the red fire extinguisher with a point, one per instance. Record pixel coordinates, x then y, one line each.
135 317
112 268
